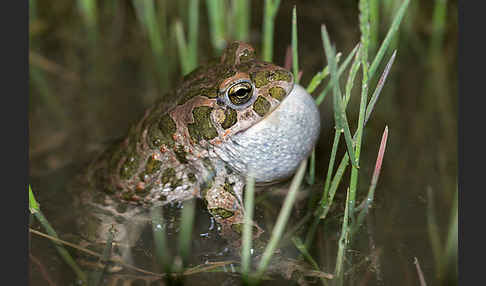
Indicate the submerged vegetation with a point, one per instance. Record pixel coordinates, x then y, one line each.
173 33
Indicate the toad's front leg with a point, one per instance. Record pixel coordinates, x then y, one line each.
225 205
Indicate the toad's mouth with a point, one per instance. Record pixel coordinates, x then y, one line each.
273 148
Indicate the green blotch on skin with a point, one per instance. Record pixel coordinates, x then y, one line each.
176 183
263 77
153 165
202 128
223 213
191 177
230 118
229 187
260 78
277 92
261 106
129 167
280 75
161 133
180 154
168 175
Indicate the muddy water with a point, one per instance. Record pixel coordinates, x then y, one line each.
99 89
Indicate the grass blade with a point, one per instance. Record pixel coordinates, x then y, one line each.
216 24
162 253
320 76
378 88
295 57
35 209
182 48
340 71
247 227
185 235
281 220
339 111
269 13
242 19
351 76
193 33
389 35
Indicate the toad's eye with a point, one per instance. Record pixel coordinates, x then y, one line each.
240 93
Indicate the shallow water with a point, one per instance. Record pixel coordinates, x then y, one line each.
99 90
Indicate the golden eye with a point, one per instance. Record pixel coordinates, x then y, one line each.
240 93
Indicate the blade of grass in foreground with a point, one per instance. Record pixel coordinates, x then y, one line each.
339 111
340 71
328 195
281 220
320 76
247 227
35 209
389 35
365 38
269 13
295 57
185 235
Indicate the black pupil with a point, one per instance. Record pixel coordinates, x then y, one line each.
242 92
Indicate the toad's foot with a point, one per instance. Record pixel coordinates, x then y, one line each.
226 208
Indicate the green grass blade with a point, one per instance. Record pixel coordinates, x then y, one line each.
247 227
351 76
34 208
193 33
162 254
340 71
365 38
303 250
242 19
438 27
343 241
185 235
320 76
389 36
374 25
379 86
281 220
326 205
182 48
33 205
327 196
339 111
217 29
295 54
312 168
269 12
